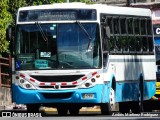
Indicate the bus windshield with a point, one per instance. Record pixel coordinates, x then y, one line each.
58 46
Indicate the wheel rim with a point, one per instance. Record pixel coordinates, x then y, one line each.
112 98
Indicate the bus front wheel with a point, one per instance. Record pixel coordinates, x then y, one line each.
74 110
62 110
33 108
107 108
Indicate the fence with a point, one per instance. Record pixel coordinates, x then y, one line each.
5 81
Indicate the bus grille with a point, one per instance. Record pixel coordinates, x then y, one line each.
53 87
64 78
57 95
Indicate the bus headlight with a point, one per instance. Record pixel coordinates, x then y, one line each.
89 83
25 84
21 81
28 86
93 80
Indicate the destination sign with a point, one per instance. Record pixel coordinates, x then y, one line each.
41 63
56 15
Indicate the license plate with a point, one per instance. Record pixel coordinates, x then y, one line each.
86 96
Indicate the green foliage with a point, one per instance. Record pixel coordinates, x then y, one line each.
83 1
8 10
5 19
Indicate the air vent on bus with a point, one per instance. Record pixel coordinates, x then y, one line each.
64 78
57 95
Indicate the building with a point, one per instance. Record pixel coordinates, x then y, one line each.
124 2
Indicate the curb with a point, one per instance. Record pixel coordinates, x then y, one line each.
2 107
84 109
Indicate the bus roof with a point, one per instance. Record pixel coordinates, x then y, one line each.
101 8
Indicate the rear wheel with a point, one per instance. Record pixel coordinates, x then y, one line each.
124 107
137 107
149 106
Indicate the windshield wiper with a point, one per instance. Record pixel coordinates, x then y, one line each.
89 37
41 31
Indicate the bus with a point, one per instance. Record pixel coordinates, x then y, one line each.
74 55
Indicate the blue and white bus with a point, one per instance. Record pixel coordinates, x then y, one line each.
71 55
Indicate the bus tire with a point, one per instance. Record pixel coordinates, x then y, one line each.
74 110
107 108
137 107
62 111
32 108
124 107
149 106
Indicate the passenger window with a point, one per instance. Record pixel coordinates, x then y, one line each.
116 25
123 25
136 26
130 25
143 27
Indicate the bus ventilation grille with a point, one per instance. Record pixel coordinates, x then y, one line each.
57 95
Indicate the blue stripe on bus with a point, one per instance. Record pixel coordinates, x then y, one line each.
128 91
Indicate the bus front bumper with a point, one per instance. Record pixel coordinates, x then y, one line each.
85 95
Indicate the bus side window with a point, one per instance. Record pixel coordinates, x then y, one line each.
138 41
118 46
131 37
123 37
111 40
149 32
143 34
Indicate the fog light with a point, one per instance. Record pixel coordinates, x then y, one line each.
93 80
28 86
87 84
21 81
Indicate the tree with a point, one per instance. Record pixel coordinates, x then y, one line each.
5 19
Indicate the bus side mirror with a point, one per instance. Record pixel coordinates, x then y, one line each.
9 33
108 32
